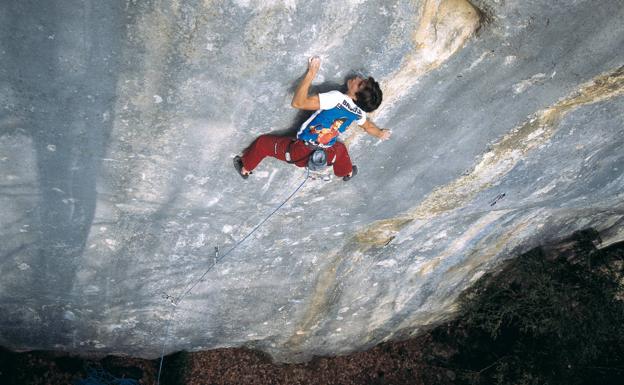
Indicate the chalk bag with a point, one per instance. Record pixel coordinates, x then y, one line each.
317 160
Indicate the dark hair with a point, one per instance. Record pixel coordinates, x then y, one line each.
369 97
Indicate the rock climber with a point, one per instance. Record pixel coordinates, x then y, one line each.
335 111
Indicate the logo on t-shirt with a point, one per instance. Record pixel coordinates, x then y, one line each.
325 135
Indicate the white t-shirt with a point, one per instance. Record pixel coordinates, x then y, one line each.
335 115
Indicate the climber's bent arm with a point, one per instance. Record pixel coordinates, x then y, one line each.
301 99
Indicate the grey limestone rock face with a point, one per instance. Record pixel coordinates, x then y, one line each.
119 121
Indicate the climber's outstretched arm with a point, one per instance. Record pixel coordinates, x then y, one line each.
375 131
302 100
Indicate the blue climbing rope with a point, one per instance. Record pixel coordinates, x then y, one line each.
176 301
98 376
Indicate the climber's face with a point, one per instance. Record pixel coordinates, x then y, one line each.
355 84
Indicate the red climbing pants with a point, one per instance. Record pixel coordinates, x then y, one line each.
277 146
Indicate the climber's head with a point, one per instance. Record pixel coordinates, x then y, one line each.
366 91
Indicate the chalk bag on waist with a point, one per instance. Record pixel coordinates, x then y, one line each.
317 160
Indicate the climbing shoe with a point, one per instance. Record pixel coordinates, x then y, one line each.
353 173
238 165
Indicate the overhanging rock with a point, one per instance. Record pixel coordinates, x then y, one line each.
119 125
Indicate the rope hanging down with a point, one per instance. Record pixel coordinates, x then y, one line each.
175 301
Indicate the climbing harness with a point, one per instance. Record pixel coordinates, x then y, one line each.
217 258
317 160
